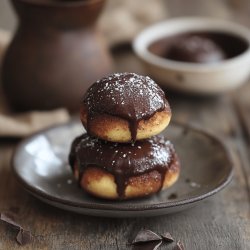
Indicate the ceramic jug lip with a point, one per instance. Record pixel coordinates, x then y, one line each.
48 3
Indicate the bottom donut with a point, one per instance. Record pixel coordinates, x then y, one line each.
124 171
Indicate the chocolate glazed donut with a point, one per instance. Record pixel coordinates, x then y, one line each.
138 169
125 101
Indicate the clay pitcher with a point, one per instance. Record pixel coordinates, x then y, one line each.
55 55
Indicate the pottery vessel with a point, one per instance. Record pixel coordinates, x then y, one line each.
55 55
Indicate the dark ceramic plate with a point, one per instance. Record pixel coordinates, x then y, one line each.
40 164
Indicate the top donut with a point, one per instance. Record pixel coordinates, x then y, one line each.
125 107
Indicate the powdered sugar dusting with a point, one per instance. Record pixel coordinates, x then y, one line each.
140 157
128 95
153 156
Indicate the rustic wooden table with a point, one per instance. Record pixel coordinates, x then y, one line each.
220 222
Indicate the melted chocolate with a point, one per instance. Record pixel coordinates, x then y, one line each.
72 154
123 160
126 95
199 47
196 49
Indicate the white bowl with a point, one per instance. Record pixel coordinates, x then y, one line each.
193 77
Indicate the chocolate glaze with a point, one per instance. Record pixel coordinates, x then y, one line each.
199 47
126 95
123 160
72 154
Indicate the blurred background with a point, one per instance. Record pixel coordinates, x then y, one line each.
140 13
119 22
236 9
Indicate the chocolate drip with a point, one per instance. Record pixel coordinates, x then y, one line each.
133 125
123 161
126 95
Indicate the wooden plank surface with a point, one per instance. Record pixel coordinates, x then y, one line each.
220 222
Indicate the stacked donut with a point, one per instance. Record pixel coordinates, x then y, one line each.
122 156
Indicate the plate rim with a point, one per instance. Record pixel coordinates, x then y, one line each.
137 207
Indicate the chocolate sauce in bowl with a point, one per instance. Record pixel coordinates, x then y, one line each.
199 47
196 49
154 155
126 95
